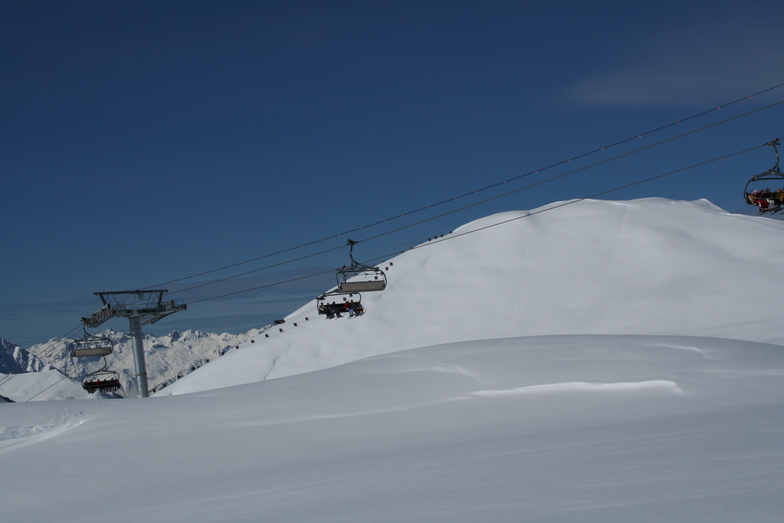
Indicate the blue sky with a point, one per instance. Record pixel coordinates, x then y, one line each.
146 142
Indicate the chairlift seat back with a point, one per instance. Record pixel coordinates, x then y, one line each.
92 351
362 286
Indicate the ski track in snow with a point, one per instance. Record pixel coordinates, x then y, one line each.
13 438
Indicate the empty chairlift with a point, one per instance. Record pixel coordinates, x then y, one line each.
359 277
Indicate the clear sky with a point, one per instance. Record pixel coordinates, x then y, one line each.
146 142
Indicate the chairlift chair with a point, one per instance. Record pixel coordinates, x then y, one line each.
766 200
351 304
351 282
101 379
92 345
359 277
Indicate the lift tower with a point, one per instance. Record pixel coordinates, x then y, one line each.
141 308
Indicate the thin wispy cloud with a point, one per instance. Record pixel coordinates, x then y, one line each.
709 62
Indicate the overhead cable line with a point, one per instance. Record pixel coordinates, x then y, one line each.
56 341
471 193
454 236
331 271
564 175
51 344
482 202
257 270
47 388
596 195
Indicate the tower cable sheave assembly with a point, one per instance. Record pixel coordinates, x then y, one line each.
145 307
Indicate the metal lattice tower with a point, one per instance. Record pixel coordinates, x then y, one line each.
141 307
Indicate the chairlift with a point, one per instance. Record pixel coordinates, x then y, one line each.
103 379
350 305
767 200
359 277
92 345
351 282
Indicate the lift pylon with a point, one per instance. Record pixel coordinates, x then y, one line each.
141 307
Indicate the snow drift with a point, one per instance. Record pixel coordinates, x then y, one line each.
597 429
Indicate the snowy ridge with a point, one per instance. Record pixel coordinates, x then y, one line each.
14 359
650 266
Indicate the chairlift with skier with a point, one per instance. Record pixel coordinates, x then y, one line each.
103 379
351 281
767 200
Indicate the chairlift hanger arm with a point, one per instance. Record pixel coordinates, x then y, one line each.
774 143
354 263
768 200
774 173
351 244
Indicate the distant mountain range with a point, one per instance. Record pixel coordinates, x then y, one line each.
167 359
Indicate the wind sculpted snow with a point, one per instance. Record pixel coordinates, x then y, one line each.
612 429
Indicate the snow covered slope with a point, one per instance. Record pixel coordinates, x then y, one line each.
650 266
45 385
23 377
595 429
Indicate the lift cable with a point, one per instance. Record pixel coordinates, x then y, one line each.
596 195
453 236
471 193
47 388
486 200
564 175
57 340
314 275
51 344
339 247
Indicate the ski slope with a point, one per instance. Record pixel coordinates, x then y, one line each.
554 428
600 362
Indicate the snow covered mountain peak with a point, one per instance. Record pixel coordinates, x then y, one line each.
14 359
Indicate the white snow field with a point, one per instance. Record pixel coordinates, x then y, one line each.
600 362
